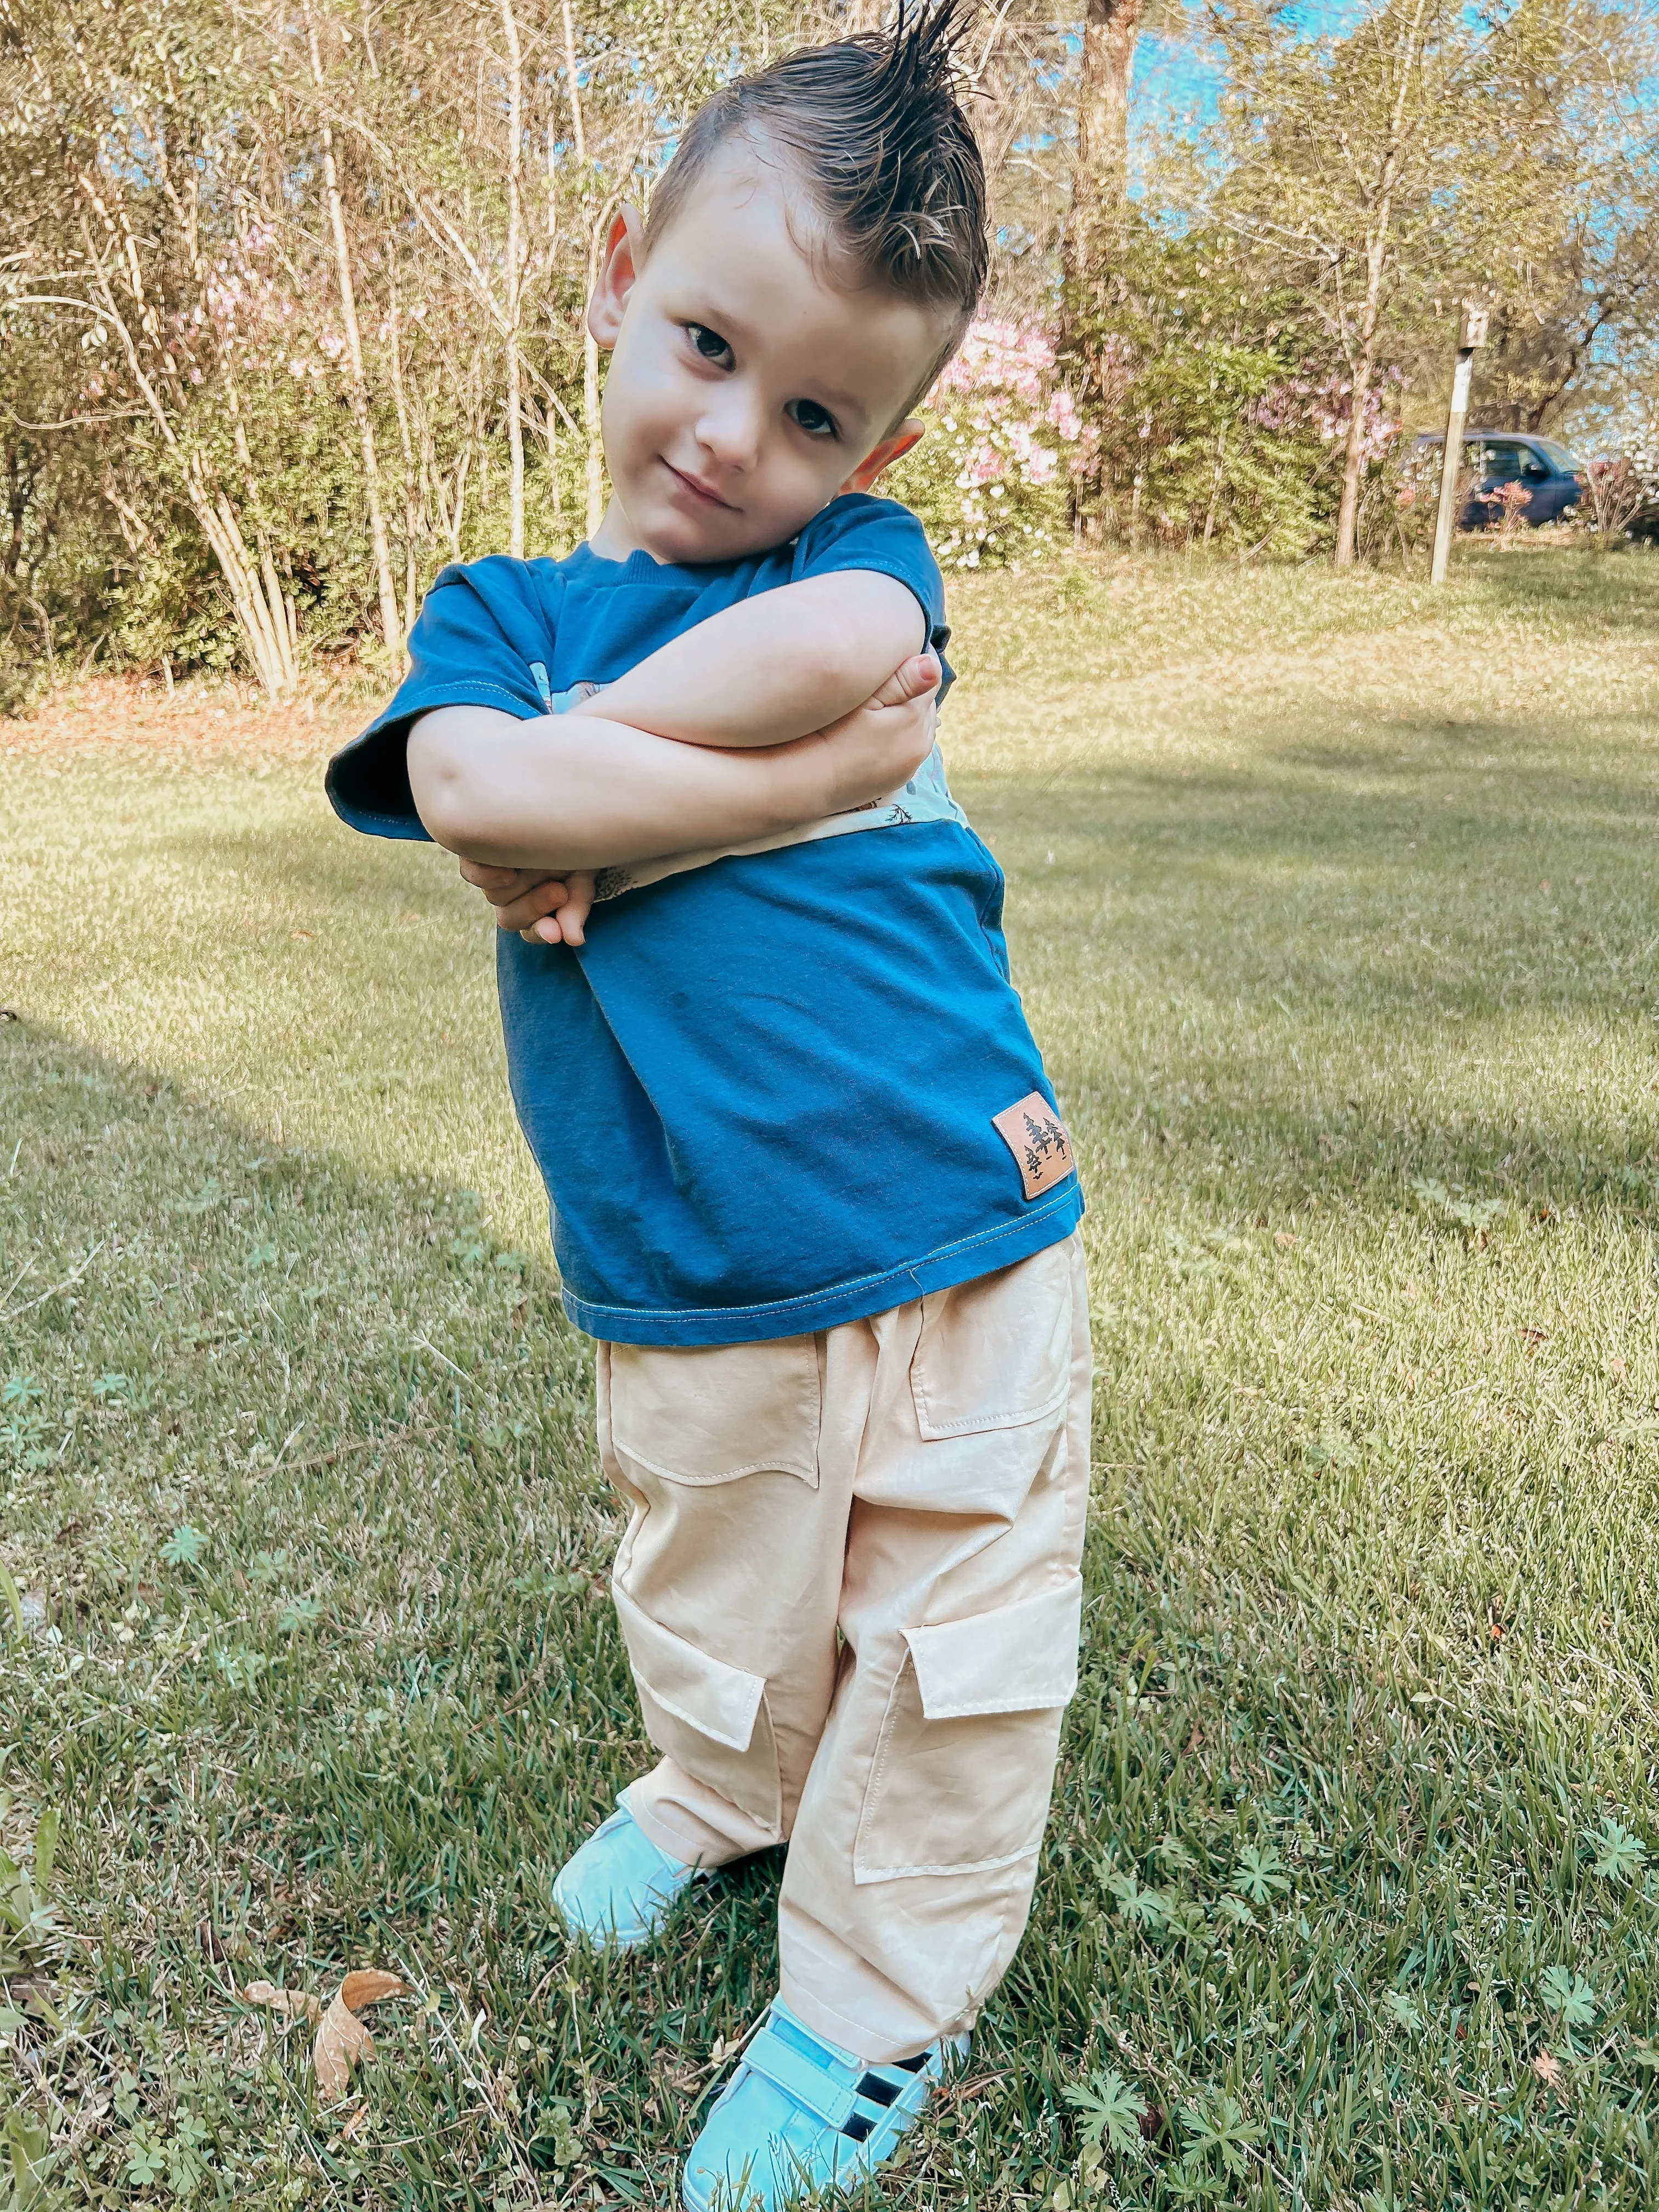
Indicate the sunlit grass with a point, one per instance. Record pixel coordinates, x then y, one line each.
1333 906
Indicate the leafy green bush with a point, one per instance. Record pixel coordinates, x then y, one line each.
992 477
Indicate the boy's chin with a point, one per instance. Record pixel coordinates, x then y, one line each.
672 531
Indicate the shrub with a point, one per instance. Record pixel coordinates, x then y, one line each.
991 478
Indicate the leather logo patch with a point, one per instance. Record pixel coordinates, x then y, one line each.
1036 1136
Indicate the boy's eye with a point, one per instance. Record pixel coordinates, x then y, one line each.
816 422
710 343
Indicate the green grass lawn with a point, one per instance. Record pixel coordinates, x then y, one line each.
1335 908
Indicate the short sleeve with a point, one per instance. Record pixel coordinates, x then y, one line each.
859 531
484 638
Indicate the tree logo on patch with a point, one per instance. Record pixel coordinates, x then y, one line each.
1036 1136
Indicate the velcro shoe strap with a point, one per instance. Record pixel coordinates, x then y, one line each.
797 2077
904 2092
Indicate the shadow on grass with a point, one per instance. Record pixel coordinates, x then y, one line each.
1600 591
300 1463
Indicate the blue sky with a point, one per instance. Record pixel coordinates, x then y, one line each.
1176 80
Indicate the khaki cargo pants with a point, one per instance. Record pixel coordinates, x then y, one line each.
850 1594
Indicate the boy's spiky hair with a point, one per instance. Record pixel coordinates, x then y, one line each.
873 130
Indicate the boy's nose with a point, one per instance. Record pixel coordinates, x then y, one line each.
729 432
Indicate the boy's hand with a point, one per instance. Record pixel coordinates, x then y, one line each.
545 909
882 744
567 925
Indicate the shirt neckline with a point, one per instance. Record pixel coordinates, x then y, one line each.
640 567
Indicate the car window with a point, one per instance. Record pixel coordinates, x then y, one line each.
1502 460
1566 462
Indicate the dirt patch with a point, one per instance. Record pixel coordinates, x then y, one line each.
205 722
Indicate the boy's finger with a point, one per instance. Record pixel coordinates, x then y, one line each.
485 878
521 913
911 679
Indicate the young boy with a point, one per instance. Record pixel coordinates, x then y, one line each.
809 1188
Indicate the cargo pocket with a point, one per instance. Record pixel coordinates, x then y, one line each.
713 1414
708 1715
964 1761
990 1378
996 1352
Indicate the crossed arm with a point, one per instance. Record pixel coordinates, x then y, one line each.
801 703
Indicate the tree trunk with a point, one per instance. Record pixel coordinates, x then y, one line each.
591 424
573 90
514 280
1408 55
411 476
1100 172
1353 456
1099 183
284 628
266 625
595 504
390 625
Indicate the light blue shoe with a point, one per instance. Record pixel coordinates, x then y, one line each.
619 1888
801 2115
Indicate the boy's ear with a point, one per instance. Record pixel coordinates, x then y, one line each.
891 448
624 258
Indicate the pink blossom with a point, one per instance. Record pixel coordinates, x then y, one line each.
1062 416
1000 356
1326 409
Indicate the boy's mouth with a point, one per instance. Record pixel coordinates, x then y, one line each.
701 491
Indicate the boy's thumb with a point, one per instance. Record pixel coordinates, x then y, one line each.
912 679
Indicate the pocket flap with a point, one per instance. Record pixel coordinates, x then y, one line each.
1020 1659
717 1700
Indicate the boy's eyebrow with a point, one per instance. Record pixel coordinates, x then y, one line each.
839 402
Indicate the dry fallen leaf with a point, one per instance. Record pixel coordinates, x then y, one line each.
342 2041
1547 2068
367 1987
342 2038
355 2122
293 2005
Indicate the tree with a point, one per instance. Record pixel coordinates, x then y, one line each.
1428 152
1576 294
1100 166
357 379
1345 149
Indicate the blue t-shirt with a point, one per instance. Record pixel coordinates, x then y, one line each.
778 1092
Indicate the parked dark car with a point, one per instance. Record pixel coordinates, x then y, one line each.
1555 480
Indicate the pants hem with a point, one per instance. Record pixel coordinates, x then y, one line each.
849 2035
677 1846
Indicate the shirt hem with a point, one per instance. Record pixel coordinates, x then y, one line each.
941 1269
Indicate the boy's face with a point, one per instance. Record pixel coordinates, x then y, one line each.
746 390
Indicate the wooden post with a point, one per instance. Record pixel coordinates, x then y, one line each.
1471 333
